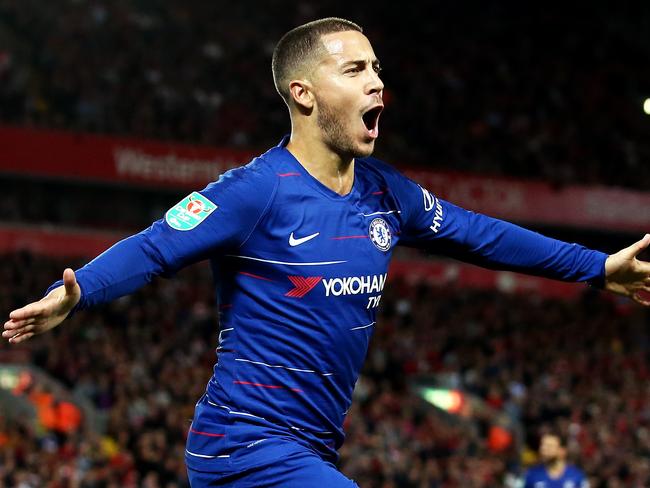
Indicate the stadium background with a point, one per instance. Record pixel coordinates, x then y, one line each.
110 111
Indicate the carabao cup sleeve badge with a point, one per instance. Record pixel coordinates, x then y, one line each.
189 212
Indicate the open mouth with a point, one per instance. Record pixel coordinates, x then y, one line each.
371 120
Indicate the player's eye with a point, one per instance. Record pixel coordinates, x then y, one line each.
354 69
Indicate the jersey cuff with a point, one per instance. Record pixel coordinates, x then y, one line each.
80 304
599 281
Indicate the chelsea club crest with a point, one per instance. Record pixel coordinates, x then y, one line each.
379 234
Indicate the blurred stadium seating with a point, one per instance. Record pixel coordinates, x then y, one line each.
540 99
551 91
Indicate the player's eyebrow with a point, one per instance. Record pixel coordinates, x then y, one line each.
361 63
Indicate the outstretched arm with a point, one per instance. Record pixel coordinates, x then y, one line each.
626 275
220 217
442 227
45 314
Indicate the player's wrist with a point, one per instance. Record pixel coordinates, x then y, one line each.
65 299
56 293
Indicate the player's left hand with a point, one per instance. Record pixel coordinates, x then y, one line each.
628 276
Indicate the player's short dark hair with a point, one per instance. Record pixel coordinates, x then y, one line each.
561 437
298 46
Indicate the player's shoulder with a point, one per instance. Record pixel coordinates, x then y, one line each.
378 168
535 471
256 178
379 173
257 169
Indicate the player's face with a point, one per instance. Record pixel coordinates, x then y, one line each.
348 93
550 449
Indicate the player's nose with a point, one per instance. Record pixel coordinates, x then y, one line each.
375 85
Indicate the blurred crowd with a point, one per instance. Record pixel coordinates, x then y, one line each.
580 368
541 91
487 87
85 206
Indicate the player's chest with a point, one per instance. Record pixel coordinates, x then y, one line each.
556 483
316 230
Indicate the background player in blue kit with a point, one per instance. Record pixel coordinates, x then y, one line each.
554 472
299 241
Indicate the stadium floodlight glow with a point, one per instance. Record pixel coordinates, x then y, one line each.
646 106
448 400
8 378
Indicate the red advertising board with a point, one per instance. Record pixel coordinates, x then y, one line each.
114 159
596 207
133 161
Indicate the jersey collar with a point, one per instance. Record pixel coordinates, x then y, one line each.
313 182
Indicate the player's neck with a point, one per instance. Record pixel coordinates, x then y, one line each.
556 468
329 168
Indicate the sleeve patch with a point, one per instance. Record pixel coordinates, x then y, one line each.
432 203
189 212
429 199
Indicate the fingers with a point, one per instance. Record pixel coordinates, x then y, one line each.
641 299
22 322
17 324
37 317
14 329
69 281
33 310
637 247
17 339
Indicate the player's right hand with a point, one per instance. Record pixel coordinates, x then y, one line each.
45 314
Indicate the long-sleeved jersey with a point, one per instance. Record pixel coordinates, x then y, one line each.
538 477
300 272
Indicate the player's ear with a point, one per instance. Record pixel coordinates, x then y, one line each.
302 95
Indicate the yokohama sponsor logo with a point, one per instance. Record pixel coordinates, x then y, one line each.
354 285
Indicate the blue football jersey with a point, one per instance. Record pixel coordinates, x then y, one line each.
299 273
538 477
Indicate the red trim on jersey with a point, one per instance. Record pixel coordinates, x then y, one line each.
273 387
378 192
282 175
209 434
254 276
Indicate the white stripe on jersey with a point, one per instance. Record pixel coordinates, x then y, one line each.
382 213
310 431
205 456
233 412
363 326
320 263
283 367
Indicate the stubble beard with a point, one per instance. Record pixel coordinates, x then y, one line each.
550 461
334 134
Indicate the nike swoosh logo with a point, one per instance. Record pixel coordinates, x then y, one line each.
296 242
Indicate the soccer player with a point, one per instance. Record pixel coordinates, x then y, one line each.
554 472
299 241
